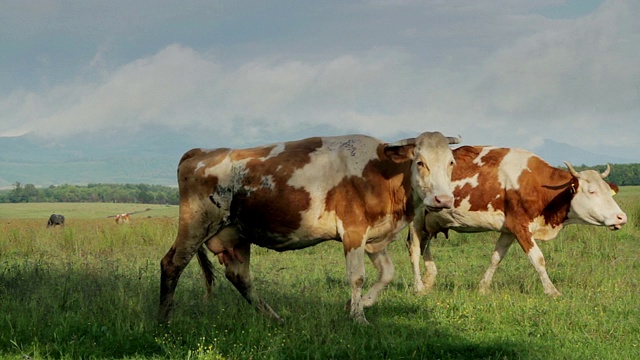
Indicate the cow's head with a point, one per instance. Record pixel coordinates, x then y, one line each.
592 202
432 164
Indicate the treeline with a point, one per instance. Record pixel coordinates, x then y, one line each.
621 174
117 193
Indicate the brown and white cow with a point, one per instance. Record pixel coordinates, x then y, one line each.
122 218
287 196
518 194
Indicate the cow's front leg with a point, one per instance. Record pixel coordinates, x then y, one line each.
237 270
382 261
537 259
414 237
528 244
430 269
354 255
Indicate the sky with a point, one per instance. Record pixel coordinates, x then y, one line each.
499 72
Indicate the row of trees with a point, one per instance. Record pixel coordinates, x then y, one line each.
127 193
621 174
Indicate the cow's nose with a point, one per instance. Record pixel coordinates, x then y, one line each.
622 218
443 201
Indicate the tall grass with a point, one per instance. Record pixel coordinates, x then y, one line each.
90 290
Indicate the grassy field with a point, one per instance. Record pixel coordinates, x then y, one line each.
90 290
83 211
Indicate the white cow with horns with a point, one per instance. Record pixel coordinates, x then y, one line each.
517 194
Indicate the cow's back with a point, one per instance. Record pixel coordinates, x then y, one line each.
293 192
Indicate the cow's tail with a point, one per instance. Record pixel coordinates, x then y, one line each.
207 269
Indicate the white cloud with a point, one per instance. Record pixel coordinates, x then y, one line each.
494 73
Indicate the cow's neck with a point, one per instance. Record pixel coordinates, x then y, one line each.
558 198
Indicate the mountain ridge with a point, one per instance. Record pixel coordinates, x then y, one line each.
151 156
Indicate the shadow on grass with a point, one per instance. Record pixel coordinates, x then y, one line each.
103 311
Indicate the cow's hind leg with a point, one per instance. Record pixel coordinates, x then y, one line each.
502 246
207 270
237 271
172 265
386 271
195 226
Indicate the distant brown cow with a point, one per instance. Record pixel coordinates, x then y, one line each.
286 196
122 218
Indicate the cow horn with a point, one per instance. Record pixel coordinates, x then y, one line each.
454 140
573 172
606 172
410 141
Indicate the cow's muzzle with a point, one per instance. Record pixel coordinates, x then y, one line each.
621 219
440 202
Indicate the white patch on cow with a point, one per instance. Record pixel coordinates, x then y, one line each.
465 204
512 166
230 174
466 221
199 166
473 181
339 157
485 150
267 182
540 230
277 150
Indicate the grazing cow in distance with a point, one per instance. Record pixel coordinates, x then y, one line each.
518 194
287 196
122 218
55 219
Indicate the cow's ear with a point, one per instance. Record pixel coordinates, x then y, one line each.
574 183
399 153
614 188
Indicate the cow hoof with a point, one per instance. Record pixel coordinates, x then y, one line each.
360 320
554 294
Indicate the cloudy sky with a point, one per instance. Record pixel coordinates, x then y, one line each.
500 72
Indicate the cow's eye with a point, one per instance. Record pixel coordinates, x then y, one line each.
592 192
420 163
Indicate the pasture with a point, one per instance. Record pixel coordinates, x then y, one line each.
90 290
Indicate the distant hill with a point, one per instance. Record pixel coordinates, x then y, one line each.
122 157
555 153
151 155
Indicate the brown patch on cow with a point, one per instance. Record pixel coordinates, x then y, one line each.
541 262
191 174
252 153
384 188
544 190
492 193
517 219
273 208
551 198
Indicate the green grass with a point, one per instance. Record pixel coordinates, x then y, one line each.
73 211
90 290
